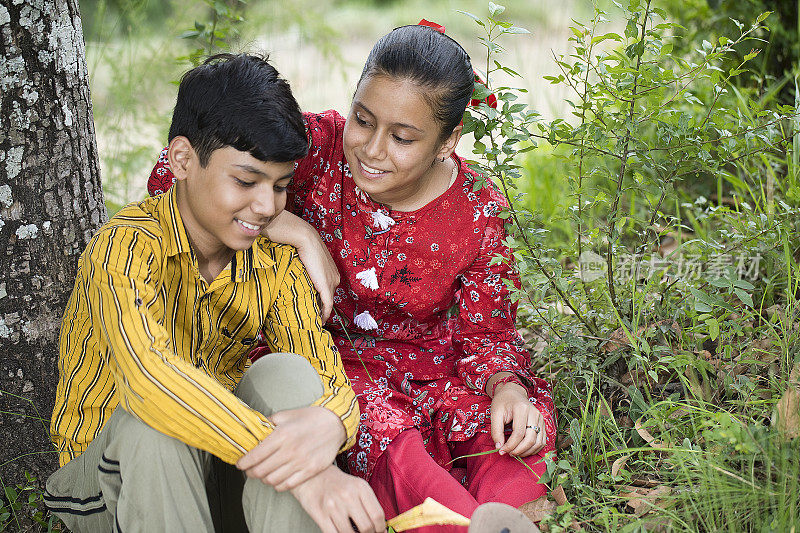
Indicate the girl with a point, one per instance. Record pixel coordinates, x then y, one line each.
423 320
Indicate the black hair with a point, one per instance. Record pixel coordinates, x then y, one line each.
239 100
433 61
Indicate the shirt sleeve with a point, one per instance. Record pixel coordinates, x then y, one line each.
164 391
485 333
294 325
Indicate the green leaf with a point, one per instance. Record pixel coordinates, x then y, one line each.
763 16
516 29
495 9
751 55
480 91
743 296
631 30
713 328
600 38
473 17
702 301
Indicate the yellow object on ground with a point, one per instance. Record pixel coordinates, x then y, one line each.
429 513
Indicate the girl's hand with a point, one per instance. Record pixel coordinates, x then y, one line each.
287 228
510 405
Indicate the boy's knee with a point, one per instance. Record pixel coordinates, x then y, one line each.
277 382
135 437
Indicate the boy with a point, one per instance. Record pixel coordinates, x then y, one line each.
155 395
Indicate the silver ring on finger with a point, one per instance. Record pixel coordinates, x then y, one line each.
535 428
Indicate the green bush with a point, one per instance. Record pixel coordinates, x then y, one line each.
656 236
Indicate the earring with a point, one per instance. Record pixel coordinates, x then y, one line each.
442 159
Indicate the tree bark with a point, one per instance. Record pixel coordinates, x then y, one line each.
50 205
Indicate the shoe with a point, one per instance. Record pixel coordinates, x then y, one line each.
500 518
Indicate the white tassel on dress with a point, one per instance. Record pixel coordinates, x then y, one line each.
381 220
368 278
365 321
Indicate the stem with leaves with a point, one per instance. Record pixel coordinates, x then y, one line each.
614 214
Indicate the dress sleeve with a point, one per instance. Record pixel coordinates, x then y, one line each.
324 131
293 325
153 383
485 334
161 176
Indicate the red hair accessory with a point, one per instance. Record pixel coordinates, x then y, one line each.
428 23
490 100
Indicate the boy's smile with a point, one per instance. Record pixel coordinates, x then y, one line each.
226 204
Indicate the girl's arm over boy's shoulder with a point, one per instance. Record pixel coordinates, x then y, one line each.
288 228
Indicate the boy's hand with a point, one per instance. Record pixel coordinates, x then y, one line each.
288 228
304 442
333 498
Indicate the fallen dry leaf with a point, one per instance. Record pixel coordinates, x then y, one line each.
619 464
794 376
619 339
565 443
605 407
634 495
625 421
538 509
789 414
659 524
650 439
642 500
559 496
645 482
668 244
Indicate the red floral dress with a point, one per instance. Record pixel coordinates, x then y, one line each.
422 316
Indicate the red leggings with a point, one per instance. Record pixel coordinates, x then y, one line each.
405 475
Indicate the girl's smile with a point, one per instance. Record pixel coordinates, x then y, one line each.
392 143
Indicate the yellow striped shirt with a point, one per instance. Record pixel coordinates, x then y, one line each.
145 330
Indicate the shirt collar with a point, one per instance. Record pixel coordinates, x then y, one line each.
175 239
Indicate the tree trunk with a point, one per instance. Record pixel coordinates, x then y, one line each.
50 204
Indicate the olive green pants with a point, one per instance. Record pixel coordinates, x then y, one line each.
133 478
